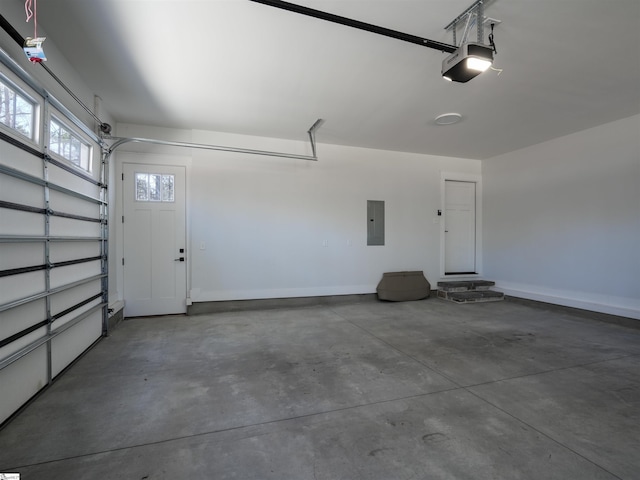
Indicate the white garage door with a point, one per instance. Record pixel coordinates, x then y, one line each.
53 249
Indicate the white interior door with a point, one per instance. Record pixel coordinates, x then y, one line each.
460 227
155 267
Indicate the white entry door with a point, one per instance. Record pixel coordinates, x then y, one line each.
155 267
460 227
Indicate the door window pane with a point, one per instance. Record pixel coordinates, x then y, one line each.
167 188
142 187
154 187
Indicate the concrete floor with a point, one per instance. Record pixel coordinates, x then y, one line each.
393 391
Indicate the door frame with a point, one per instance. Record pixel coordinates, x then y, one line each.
461 177
149 158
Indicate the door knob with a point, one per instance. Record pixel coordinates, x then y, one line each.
181 259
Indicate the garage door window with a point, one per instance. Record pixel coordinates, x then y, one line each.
17 111
64 142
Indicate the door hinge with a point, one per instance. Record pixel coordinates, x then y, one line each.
123 261
123 176
122 218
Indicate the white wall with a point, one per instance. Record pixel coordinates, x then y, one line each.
562 220
263 220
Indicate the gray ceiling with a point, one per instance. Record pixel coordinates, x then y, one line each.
242 67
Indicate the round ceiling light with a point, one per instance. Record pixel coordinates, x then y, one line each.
448 118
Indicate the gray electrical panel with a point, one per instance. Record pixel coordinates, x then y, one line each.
375 222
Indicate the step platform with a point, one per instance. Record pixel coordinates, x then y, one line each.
464 285
469 291
471 296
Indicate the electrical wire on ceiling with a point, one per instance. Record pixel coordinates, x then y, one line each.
31 10
491 41
492 44
471 22
33 45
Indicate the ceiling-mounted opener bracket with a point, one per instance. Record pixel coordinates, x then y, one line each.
470 58
474 14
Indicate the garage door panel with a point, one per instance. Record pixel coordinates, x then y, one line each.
24 341
69 298
64 275
77 312
16 255
18 191
71 343
26 376
14 222
60 202
19 318
73 182
62 252
20 160
16 287
69 227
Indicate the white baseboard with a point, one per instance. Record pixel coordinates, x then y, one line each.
115 307
610 304
226 295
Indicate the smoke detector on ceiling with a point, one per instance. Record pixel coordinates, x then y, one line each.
448 118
